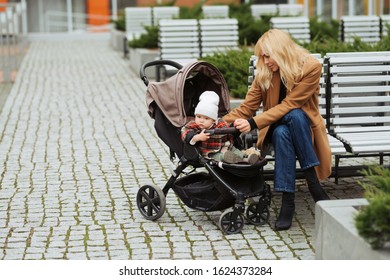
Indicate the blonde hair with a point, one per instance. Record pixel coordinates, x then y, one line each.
289 56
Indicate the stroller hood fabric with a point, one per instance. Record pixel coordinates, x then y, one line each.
169 95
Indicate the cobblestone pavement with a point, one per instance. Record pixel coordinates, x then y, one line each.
76 143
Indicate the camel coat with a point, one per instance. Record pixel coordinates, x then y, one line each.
304 95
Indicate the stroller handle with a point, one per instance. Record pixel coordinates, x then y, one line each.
156 63
227 130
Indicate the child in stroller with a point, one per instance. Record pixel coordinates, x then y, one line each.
218 146
222 186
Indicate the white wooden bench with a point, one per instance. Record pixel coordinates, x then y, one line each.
136 18
385 23
218 35
298 27
164 12
336 145
259 10
290 9
367 28
359 87
178 41
354 100
215 11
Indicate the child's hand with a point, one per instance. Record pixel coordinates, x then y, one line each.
202 136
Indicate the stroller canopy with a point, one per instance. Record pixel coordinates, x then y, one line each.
178 96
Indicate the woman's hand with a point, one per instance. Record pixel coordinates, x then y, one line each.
242 125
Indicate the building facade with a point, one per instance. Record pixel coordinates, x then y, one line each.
75 15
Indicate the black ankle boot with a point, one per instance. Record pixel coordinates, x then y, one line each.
318 193
315 188
286 214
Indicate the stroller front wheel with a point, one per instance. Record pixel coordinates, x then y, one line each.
151 202
258 213
231 221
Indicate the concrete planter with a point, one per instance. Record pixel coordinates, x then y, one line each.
336 236
140 56
117 39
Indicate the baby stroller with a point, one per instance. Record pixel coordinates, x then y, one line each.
221 186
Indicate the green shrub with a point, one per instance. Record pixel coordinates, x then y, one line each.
119 23
332 45
194 12
233 65
168 4
150 38
323 31
249 28
147 40
373 221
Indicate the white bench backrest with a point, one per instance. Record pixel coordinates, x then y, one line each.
298 27
136 18
359 91
259 10
217 11
385 22
365 27
218 35
165 12
290 9
179 39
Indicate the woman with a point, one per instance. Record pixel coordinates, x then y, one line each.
287 84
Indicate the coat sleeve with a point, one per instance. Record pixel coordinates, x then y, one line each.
248 107
296 98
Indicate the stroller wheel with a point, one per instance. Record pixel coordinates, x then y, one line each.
231 221
257 213
151 202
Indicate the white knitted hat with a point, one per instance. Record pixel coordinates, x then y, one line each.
208 105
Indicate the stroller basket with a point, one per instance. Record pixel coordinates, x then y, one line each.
199 191
245 170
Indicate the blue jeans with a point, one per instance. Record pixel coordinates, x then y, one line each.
291 139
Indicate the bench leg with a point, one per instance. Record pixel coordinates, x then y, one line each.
336 171
381 159
125 48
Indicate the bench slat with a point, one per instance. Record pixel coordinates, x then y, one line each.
371 149
297 27
360 59
360 79
362 136
359 69
360 89
359 120
365 110
218 35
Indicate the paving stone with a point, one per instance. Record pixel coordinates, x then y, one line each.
33 256
181 256
53 256
76 256
285 255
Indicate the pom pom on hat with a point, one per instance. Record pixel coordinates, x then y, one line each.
208 105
